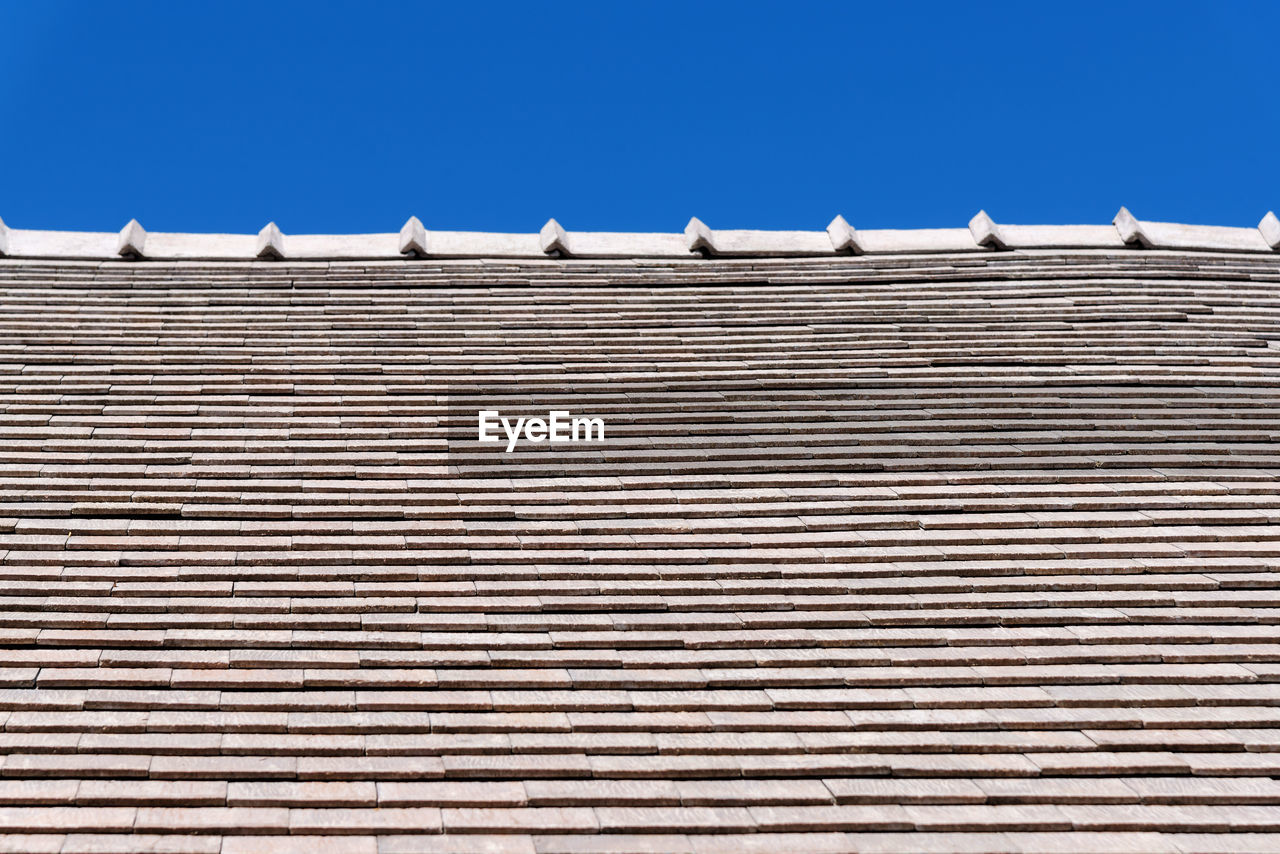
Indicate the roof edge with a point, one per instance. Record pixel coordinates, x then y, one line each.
413 241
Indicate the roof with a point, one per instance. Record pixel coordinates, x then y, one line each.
697 240
957 550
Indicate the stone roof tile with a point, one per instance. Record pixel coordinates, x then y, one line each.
895 542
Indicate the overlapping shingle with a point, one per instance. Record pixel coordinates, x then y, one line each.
947 552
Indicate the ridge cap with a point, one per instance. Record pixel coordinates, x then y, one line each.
839 238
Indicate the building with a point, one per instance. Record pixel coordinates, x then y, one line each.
955 539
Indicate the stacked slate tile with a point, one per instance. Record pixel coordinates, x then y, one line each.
954 552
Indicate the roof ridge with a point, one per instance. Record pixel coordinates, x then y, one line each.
982 234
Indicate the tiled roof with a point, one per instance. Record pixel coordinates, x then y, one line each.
968 550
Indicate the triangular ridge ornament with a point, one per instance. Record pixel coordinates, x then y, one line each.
553 238
1130 229
4 239
843 237
698 237
985 232
133 240
413 238
1269 226
271 243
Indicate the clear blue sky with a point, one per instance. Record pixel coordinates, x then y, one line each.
611 115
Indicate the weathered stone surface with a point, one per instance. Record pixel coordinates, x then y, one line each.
951 551
986 232
1131 231
271 242
1269 226
843 236
838 239
698 237
413 238
553 239
133 240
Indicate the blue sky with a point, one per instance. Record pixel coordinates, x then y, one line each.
331 117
